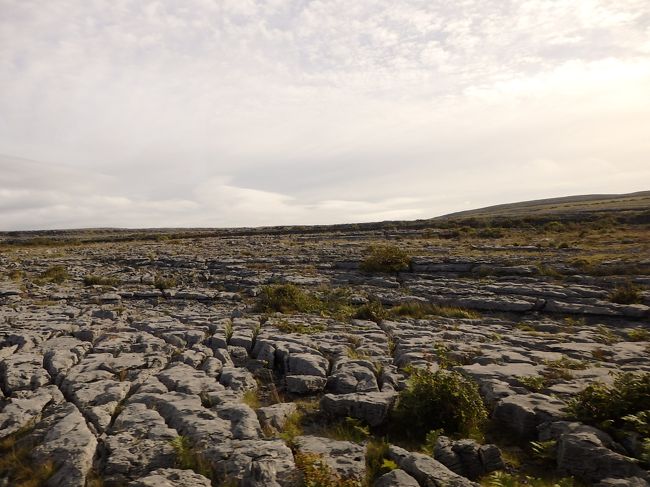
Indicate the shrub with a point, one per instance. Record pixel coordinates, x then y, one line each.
163 283
57 274
639 335
93 280
626 293
287 298
613 406
444 400
534 383
373 311
386 258
490 232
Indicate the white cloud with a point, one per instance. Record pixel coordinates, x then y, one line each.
250 112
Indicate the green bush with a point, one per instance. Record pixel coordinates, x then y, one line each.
444 400
386 258
622 405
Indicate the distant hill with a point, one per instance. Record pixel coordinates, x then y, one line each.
628 208
567 207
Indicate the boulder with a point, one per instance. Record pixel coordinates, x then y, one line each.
172 477
427 471
396 478
346 459
370 407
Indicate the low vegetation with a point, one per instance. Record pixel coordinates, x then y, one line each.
504 479
189 458
16 464
287 298
385 258
316 472
626 293
163 283
624 405
377 461
95 280
442 400
56 274
336 303
420 310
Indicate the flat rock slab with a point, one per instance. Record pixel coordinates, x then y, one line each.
345 458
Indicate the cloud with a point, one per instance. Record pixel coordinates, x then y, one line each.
274 112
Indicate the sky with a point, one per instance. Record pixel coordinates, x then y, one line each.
221 113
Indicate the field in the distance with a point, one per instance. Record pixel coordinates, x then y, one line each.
506 346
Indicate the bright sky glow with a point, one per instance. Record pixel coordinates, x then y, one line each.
135 113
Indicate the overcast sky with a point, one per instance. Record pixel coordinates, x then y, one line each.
240 112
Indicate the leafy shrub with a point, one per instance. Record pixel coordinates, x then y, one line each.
534 383
444 400
612 406
386 258
57 274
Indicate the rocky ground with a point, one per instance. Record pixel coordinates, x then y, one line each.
151 363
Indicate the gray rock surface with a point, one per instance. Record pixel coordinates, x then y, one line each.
345 458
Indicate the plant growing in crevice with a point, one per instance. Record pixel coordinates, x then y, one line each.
187 457
377 461
444 400
16 464
316 472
